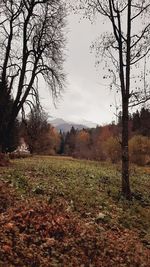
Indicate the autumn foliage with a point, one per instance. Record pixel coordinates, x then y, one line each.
4 160
39 135
39 233
104 142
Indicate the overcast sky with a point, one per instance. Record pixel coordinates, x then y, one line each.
86 96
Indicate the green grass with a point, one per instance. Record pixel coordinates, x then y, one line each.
89 188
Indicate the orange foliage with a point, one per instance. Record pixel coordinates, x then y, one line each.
36 233
83 138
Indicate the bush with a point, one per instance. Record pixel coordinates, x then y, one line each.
139 149
113 149
18 155
4 160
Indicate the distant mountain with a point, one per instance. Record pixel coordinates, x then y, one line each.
88 124
57 122
65 126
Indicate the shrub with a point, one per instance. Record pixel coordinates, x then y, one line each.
113 149
18 155
139 149
4 160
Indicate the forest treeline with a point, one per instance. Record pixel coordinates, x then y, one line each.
100 143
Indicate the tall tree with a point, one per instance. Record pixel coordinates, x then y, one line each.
127 45
31 47
62 142
70 141
39 135
6 103
82 145
36 129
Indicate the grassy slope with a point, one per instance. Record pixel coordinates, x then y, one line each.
90 189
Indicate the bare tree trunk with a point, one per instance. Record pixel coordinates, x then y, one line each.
125 113
125 151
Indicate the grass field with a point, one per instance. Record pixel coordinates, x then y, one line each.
89 192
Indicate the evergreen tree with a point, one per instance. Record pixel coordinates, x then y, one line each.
62 143
70 141
8 137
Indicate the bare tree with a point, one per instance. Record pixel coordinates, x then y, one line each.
31 45
128 46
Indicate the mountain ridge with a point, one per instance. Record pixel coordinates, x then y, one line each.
65 126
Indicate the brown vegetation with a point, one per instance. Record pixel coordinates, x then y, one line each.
104 142
34 232
4 160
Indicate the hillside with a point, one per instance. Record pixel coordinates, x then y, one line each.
57 211
66 126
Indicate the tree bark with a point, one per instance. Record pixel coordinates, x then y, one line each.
125 151
125 113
